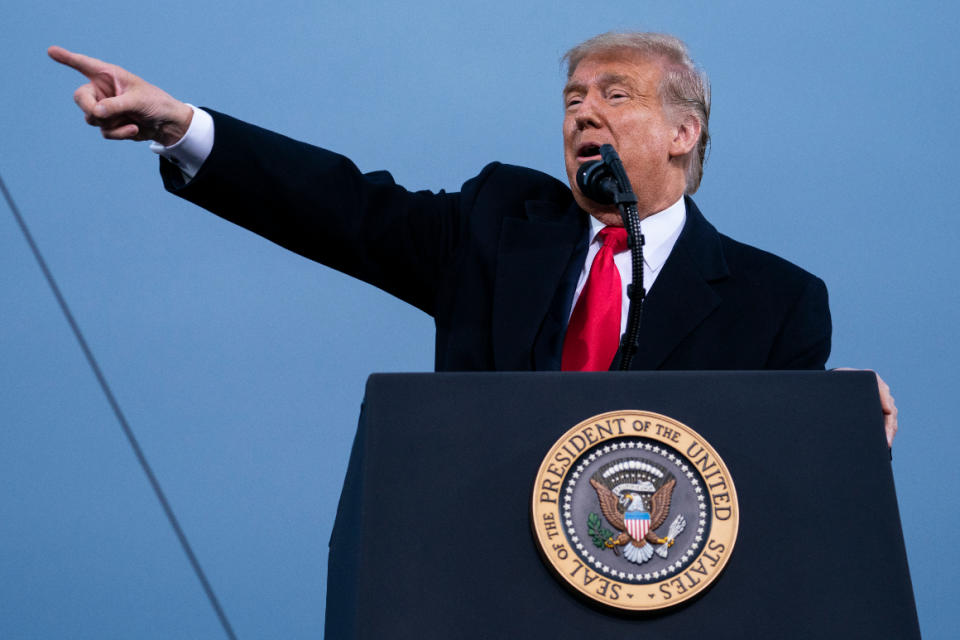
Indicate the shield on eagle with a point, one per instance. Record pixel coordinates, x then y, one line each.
638 523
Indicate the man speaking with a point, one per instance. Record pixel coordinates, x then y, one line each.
518 270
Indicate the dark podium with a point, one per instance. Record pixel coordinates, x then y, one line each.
433 535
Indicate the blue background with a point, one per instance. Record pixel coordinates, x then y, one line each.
241 366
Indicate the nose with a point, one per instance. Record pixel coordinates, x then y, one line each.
588 114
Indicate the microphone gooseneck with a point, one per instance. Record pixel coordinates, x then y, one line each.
605 182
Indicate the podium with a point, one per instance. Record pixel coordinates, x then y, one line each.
433 531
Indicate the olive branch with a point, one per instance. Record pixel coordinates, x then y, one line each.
598 534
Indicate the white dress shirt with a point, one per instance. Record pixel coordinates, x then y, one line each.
660 231
192 150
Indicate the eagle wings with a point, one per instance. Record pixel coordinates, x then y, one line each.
659 510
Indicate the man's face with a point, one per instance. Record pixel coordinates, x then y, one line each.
615 99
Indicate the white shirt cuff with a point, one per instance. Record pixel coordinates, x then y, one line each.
191 151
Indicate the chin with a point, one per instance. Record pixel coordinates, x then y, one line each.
608 214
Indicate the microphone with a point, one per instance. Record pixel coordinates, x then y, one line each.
597 182
606 182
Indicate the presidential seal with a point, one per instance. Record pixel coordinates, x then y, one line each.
635 510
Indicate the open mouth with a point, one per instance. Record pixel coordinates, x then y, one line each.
588 151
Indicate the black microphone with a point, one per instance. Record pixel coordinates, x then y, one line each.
597 182
606 182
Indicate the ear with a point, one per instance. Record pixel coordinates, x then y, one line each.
687 134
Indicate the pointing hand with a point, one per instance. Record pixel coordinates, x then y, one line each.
122 105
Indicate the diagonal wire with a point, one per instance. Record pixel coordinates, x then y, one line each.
181 536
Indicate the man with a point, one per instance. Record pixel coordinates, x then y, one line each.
519 271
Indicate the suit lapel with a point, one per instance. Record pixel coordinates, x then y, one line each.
533 269
682 296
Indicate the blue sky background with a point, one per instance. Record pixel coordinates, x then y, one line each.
241 366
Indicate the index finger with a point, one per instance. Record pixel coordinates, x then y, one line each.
84 64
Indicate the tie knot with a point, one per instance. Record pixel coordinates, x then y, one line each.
615 238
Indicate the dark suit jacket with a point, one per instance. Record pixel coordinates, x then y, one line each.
496 264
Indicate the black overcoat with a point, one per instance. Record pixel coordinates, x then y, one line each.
496 264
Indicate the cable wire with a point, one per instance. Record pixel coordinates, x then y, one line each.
131 438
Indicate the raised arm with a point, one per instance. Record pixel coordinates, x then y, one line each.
122 105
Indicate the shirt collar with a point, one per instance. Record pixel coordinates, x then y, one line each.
660 232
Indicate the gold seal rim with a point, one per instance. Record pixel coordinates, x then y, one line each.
627 596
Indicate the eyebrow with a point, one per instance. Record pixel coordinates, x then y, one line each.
605 80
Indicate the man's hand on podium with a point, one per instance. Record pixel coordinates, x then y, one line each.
122 105
889 409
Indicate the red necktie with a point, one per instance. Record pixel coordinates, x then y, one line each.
593 334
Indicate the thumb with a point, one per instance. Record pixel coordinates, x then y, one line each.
109 108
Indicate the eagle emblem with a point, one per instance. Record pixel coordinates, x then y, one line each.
634 497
